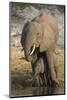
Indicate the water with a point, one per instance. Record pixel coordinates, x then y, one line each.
38 91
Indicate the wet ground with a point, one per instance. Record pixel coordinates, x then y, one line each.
21 85
37 91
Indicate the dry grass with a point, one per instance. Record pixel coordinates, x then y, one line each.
18 62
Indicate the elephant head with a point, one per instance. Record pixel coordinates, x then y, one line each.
31 38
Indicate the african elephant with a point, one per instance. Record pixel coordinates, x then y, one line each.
41 33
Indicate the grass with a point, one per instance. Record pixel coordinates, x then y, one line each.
18 62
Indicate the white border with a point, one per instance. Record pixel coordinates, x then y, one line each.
43 1
4 48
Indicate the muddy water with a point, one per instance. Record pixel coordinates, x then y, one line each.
38 91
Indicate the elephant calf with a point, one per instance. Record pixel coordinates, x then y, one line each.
39 75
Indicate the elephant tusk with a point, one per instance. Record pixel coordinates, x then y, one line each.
32 50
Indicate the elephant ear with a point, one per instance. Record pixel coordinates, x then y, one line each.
24 33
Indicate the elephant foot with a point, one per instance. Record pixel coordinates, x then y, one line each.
54 83
38 83
35 84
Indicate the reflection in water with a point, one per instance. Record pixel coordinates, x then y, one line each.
38 91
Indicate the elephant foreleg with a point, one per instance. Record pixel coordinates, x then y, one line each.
36 80
50 59
43 80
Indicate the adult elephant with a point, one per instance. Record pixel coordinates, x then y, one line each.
41 35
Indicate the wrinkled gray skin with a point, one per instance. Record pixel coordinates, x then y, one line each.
43 32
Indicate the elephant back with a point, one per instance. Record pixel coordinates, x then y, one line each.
51 20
